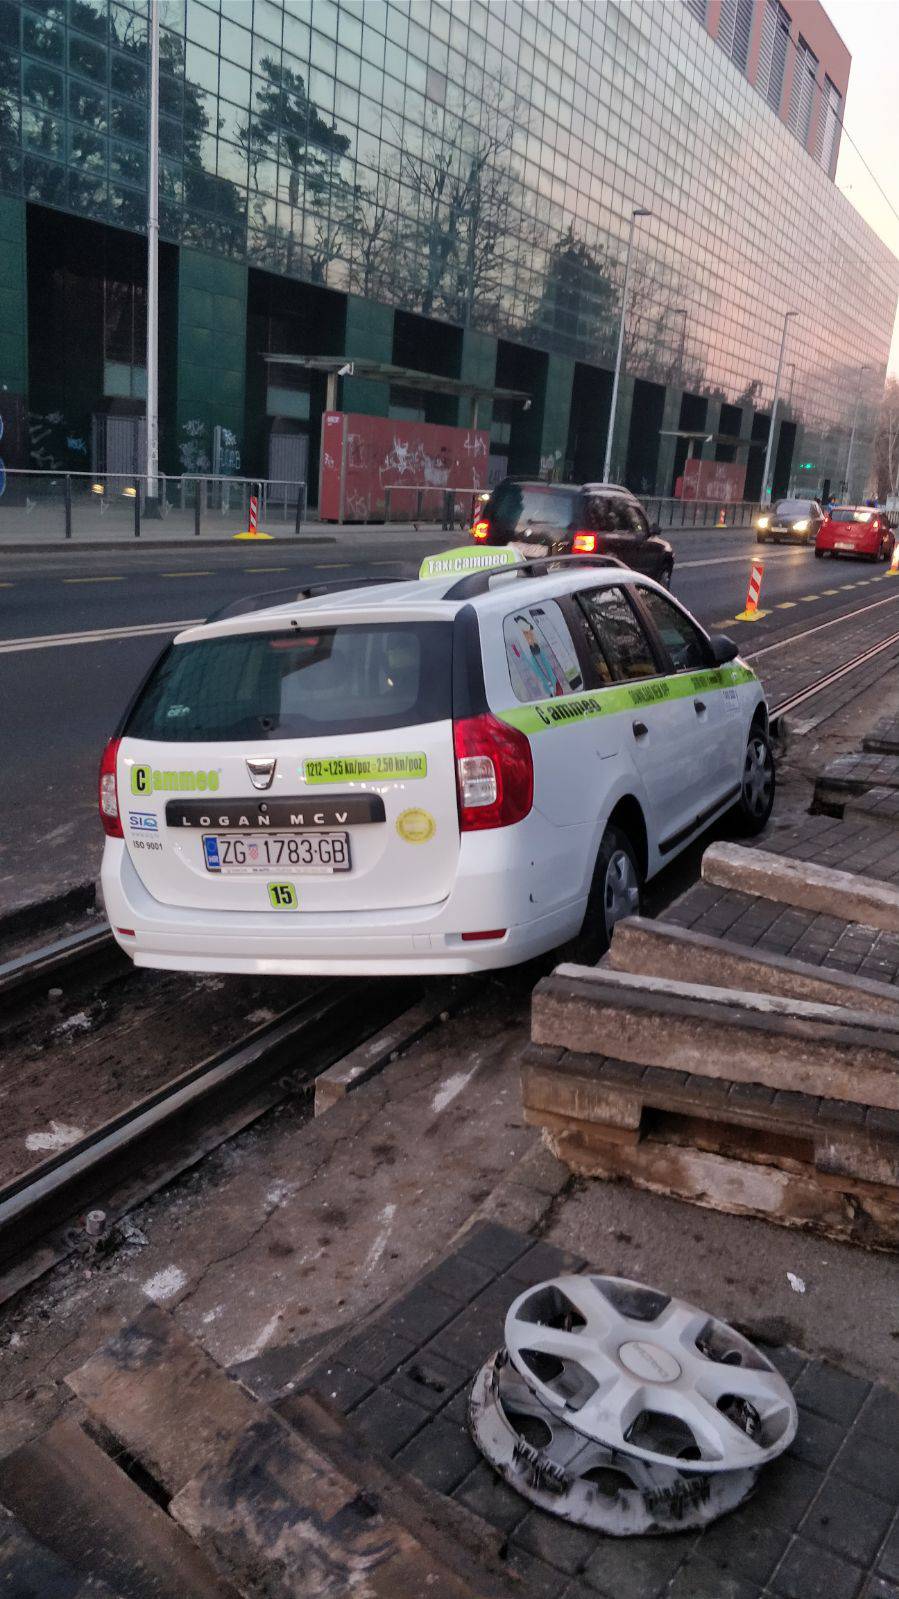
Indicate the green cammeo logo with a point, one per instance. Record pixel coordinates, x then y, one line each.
572 708
152 780
457 563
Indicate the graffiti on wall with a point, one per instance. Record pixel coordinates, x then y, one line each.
409 458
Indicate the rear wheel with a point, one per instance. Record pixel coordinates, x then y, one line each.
819 555
614 894
758 783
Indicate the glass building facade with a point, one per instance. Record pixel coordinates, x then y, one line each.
447 184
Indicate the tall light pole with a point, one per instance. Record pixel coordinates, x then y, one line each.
766 486
638 211
858 392
152 428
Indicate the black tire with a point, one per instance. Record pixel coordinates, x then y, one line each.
616 856
757 785
819 555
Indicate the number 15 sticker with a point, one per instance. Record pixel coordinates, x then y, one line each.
282 896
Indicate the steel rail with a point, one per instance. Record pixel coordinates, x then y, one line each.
303 1042
828 678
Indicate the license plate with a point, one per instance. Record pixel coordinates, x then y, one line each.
303 854
843 546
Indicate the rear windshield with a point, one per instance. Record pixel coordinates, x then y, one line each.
301 684
849 513
512 507
793 507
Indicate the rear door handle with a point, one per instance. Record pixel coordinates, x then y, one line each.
699 706
640 729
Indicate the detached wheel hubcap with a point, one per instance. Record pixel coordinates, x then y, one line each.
622 889
758 777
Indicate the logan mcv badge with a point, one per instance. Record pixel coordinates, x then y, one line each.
262 771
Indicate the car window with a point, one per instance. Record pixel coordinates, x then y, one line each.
682 639
794 508
310 681
543 661
619 633
610 513
513 507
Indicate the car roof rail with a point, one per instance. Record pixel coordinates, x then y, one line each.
305 591
479 582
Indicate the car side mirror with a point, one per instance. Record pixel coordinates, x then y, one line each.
723 648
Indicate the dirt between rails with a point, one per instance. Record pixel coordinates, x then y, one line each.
84 1052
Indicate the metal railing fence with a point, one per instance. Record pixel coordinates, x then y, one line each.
50 505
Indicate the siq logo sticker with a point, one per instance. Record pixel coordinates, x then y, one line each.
150 780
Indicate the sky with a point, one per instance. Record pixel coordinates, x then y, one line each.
870 29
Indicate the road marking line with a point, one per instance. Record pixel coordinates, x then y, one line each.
715 560
806 599
334 566
830 591
7 585
93 580
264 568
207 573
101 635
785 605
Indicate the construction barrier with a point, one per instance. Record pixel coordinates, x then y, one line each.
893 568
753 594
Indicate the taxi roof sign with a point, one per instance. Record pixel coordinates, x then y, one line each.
470 558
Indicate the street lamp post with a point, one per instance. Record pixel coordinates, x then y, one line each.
766 486
858 391
152 428
638 211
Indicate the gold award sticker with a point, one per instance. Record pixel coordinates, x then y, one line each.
416 826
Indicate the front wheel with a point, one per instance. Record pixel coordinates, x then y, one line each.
614 894
757 784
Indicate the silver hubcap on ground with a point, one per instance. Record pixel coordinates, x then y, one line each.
621 896
758 777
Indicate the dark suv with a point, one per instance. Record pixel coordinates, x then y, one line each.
568 519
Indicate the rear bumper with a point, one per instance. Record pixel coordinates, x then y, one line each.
491 891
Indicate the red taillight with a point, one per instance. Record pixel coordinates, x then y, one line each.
584 544
481 532
109 792
475 938
494 771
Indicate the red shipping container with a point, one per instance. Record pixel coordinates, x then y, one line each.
375 453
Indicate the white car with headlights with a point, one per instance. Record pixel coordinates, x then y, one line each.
423 776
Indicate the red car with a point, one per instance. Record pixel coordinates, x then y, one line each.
855 530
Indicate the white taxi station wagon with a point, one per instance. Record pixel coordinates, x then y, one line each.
440 775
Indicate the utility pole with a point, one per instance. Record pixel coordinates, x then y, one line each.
638 211
152 428
858 392
766 486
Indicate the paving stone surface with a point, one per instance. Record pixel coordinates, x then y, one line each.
822 1522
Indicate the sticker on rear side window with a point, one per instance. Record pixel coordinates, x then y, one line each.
364 768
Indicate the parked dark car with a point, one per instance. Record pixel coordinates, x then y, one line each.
574 519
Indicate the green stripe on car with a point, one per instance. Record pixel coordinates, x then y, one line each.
570 709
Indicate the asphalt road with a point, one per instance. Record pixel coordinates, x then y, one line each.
59 702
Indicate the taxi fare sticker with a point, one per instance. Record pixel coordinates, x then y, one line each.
365 768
